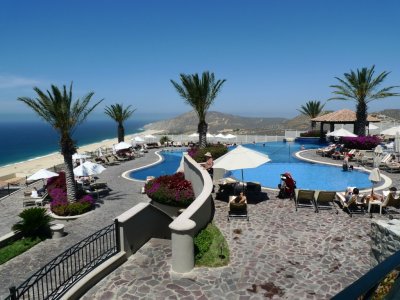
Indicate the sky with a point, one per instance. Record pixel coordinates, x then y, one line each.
274 55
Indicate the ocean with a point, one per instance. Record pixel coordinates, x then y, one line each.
24 140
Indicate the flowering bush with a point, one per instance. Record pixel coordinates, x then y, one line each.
172 190
361 142
57 189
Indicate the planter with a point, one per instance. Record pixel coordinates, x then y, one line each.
171 211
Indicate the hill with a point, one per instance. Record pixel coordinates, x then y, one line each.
227 123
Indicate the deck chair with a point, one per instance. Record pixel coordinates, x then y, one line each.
391 199
354 205
237 210
325 200
304 198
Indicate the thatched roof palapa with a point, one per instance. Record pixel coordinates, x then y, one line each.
342 116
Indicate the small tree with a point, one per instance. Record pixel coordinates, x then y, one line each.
35 223
312 109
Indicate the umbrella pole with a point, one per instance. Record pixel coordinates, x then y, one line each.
242 182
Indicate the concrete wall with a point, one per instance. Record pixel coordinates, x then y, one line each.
385 239
141 223
193 219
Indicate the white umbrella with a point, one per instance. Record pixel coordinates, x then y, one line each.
341 133
377 156
241 158
42 174
391 130
194 135
374 177
220 135
88 169
149 136
372 126
122 145
99 152
397 142
209 135
139 139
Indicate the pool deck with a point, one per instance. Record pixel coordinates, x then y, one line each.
280 253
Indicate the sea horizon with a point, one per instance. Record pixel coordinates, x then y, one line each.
32 139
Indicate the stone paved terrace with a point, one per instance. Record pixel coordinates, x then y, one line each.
294 255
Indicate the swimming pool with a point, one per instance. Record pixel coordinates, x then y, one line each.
307 175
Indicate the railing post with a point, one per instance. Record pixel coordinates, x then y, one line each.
8 188
117 236
13 293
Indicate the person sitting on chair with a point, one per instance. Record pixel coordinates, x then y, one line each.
208 165
34 193
239 199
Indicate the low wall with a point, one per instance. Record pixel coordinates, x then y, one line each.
193 219
141 223
385 239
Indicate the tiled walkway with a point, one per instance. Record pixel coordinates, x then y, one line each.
280 253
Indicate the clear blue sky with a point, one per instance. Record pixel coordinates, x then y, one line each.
275 55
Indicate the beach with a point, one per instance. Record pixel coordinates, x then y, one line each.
26 168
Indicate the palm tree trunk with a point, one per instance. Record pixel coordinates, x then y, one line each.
202 129
70 178
361 115
121 133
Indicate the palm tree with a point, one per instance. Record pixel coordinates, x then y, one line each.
199 93
361 87
119 115
64 115
312 109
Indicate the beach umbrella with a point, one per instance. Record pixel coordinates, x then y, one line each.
374 177
391 130
42 174
80 156
209 135
372 126
220 135
194 135
341 133
150 136
241 158
122 145
230 136
99 152
88 169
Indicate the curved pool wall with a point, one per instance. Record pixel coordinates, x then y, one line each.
308 175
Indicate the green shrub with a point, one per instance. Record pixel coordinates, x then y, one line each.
211 248
164 139
16 248
35 223
216 151
202 243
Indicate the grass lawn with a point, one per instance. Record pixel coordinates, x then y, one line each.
16 248
217 254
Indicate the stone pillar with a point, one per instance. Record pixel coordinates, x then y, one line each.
182 234
385 239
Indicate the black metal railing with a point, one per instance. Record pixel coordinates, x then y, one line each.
365 286
60 274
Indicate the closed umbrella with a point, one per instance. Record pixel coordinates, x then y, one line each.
378 156
374 177
241 158
42 174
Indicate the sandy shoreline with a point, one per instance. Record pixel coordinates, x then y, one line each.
28 167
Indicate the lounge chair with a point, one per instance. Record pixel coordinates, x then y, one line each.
39 201
325 199
111 161
393 166
237 210
304 198
354 205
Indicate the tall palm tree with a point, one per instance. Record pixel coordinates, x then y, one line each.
312 109
119 115
361 87
199 93
58 109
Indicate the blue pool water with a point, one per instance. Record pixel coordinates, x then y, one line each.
307 175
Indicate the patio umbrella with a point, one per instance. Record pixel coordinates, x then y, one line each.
209 135
150 136
230 136
241 158
220 135
391 130
194 135
122 145
341 133
88 169
374 177
42 174
372 126
397 142
80 156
